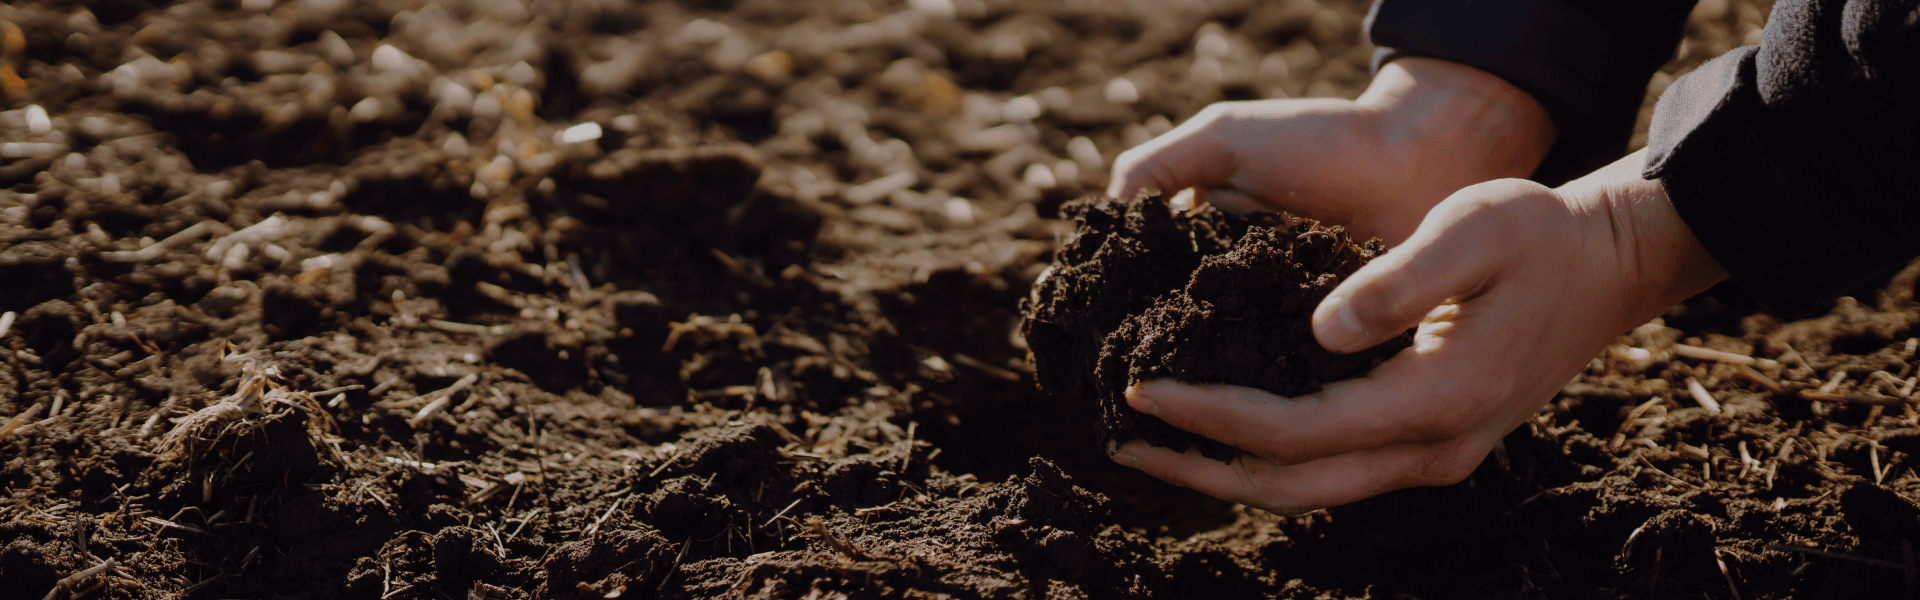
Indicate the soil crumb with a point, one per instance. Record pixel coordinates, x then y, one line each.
1140 291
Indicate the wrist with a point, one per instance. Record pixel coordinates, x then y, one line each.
1659 254
1445 125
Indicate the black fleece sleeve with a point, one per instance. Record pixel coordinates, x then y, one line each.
1797 162
1586 61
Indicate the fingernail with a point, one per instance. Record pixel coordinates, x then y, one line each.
1336 325
1140 402
1126 459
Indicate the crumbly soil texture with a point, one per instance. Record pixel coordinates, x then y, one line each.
519 299
1141 291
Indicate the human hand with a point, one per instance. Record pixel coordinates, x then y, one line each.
1424 128
1514 287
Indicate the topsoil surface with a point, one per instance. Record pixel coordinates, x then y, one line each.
719 299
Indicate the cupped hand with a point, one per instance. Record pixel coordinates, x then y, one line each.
1423 129
1514 287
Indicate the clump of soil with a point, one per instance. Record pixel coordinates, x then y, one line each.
1142 292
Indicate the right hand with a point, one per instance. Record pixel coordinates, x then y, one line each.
1424 129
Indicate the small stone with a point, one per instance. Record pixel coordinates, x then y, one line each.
772 66
1023 108
1212 42
523 75
1067 171
387 58
455 146
335 48
1039 176
584 132
486 105
37 121
1084 152
1121 90
366 111
236 257
960 211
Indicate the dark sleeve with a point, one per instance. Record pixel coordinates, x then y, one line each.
1797 162
1586 61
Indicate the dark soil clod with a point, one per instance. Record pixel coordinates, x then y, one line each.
1141 292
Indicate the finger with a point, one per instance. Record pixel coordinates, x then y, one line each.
1234 201
1445 258
1295 489
1397 403
1188 156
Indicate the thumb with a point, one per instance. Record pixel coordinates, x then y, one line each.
1394 292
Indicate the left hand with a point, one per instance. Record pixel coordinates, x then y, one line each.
1514 287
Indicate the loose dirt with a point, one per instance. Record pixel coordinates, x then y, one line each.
501 299
1142 291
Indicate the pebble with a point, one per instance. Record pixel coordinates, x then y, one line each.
83 21
486 105
495 174
324 261
1212 41
1023 108
772 66
366 111
960 210
452 99
335 48
236 257
1084 152
1121 90
519 104
455 146
387 58
37 121
523 75
1039 176
584 132
1067 171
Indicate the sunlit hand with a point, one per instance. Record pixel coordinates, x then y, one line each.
1514 288
1423 129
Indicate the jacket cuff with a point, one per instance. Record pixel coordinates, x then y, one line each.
1746 197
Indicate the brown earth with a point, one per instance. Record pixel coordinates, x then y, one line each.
758 338
1140 291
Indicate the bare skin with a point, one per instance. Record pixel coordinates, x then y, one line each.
1513 287
1423 129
